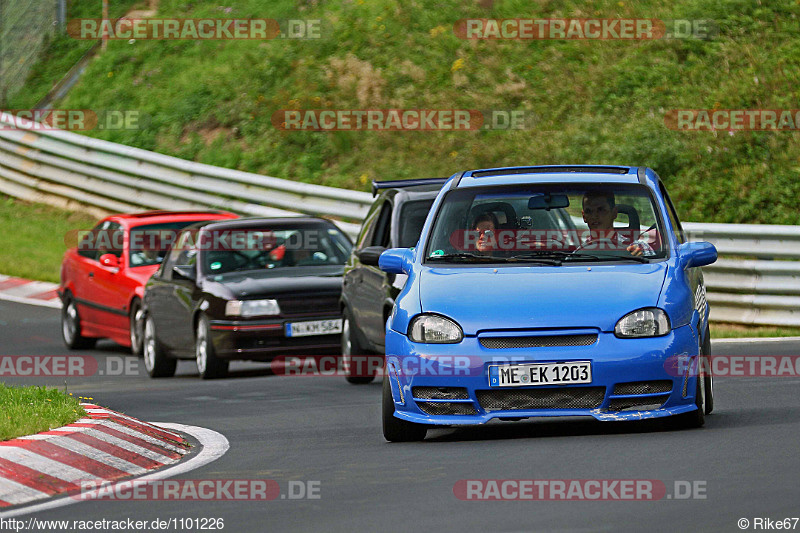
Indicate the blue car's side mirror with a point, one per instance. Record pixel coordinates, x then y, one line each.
697 254
396 260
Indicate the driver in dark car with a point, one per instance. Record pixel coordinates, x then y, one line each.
599 211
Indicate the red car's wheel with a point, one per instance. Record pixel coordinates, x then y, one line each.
71 326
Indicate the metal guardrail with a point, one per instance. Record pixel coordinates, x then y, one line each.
58 166
756 281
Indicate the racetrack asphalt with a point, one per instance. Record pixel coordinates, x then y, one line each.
321 429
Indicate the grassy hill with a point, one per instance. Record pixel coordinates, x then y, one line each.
593 101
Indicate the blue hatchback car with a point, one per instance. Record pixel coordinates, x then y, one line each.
547 291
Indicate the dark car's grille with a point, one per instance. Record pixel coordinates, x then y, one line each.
440 393
447 408
539 341
643 387
311 304
560 398
637 404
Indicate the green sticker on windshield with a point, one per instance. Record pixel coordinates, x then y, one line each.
216 265
437 253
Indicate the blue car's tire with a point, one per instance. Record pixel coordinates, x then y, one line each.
709 381
394 429
697 418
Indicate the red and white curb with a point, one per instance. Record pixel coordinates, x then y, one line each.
104 446
26 291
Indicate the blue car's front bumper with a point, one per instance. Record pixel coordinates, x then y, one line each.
453 388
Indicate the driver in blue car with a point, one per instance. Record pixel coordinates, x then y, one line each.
599 211
486 226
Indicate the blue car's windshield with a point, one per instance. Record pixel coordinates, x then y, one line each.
548 224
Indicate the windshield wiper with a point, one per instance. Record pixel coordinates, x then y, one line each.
548 258
575 256
637 258
467 258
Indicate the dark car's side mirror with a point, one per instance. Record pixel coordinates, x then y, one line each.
109 260
184 272
370 255
396 260
697 254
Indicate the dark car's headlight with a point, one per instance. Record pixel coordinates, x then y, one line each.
649 322
252 308
434 329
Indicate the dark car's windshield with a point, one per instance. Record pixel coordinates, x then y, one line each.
150 243
546 224
272 247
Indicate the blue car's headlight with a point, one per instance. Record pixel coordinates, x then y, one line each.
649 322
434 329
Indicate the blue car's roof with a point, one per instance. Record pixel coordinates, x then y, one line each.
549 173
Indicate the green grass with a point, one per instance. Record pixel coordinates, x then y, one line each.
32 242
29 410
594 101
723 331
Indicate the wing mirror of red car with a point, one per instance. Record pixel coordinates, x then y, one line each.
109 260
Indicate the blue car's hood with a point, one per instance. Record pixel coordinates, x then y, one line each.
481 299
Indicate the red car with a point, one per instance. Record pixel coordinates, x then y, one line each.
103 278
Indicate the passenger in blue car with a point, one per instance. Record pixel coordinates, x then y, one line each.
599 211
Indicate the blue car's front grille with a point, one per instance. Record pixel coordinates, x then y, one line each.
440 393
537 341
643 387
556 398
646 403
447 408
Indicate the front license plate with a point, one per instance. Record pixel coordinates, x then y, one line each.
529 374
314 327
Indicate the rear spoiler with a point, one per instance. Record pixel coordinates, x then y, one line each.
398 184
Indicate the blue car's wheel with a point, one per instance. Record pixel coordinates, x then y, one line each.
394 429
709 381
697 418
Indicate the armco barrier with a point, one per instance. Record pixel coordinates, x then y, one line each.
60 166
757 278
756 281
